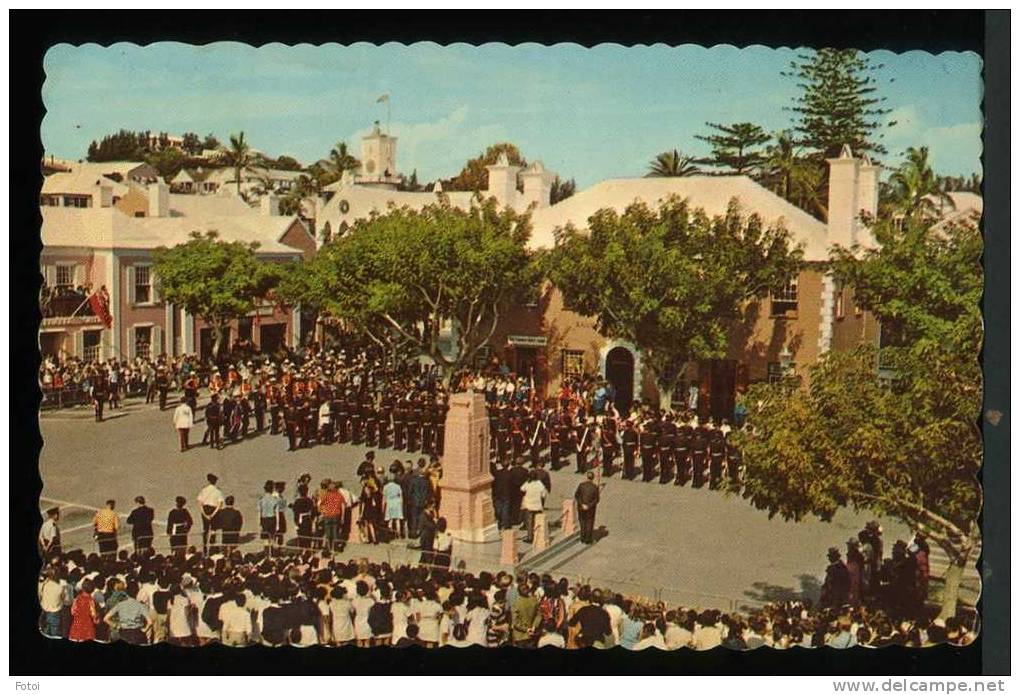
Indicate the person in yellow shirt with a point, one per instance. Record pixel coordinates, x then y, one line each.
106 523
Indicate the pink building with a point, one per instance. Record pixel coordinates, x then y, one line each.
93 247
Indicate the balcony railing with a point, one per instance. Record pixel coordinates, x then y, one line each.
63 303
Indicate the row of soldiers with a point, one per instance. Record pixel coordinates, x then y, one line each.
653 444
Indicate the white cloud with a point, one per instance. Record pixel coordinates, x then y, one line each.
955 149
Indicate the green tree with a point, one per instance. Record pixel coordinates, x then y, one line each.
167 162
672 163
670 280
304 188
798 179
839 102
340 161
405 276
124 145
914 189
238 156
907 446
286 163
475 177
736 148
561 190
210 142
217 281
191 143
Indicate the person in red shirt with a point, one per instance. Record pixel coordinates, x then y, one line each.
331 509
84 614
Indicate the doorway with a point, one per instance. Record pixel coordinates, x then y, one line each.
620 373
272 337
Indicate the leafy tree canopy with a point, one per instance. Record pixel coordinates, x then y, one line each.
736 148
213 279
561 190
673 163
474 176
403 276
670 280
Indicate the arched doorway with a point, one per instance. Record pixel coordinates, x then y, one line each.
620 373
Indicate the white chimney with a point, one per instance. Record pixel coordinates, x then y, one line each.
844 175
159 200
867 200
537 185
503 181
270 205
104 194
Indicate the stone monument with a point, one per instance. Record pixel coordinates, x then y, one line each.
466 483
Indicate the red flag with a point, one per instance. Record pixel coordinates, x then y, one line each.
100 303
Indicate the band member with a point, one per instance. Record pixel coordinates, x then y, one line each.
699 454
163 386
370 418
536 428
99 393
325 422
555 445
292 424
213 422
385 422
399 426
667 444
357 421
630 449
584 443
414 427
684 435
607 442
275 408
734 463
191 392
259 406
717 452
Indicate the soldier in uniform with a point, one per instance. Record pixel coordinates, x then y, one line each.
649 442
567 438
213 420
699 452
667 444
383 426
607 442
291 423
502 433
414 426
163 385
584 434
717 453
99 392
533 427
370 418
400 426
228 413
191 392
308 413
428 429
259 406
684 434
734 460
275 407
441 409
630 449
357 420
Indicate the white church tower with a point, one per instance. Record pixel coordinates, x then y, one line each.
378 160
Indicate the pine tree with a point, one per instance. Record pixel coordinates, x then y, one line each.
839 103
736 148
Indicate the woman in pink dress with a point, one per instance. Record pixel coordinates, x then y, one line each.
84 614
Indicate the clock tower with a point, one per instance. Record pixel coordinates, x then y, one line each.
378 160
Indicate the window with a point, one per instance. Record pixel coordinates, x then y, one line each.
64 277
785 299
573 362
140 213
76 201
776 372
143 342
50 200
143 285
91 344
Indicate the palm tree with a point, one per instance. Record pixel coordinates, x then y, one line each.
674 163
340 160
305 187
239 156
915 189
792 176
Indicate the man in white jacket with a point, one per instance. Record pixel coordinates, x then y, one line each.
183 421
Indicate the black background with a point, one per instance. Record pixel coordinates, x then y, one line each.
935 31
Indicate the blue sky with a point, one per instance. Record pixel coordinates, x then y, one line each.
590 114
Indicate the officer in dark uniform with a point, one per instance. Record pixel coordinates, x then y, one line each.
630 449
648 440
385 415
357 421
213 421
533 427
258 398
554 441
717 452
343 419
414 416
442 408
667 444
584 433
335 403
400 426
568 441
275 408
99 393
191 393
291 423
370 418
734 463
502 433
228 411
684 435
163 385
699 454
428 429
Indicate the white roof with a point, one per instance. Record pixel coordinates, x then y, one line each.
81 182
709 193
109 228
966 206
182 204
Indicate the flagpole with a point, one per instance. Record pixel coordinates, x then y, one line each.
80 306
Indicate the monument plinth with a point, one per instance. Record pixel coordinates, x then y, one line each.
467 484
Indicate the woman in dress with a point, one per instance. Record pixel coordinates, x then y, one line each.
371 509
393 507
342 613
84 614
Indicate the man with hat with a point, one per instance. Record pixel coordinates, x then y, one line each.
210 502
140 521
587 498
213 421
648 441
837 582
630 449
163 385
49 535
854 567
667 444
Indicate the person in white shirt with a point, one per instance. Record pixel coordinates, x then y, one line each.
183 421
458 637
179 623
650 637
677 635
342 614
477 620
236 619
324 420
210 501
362 604
49 534
51 598
401 610
533 502
429 614
616 613
551 638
